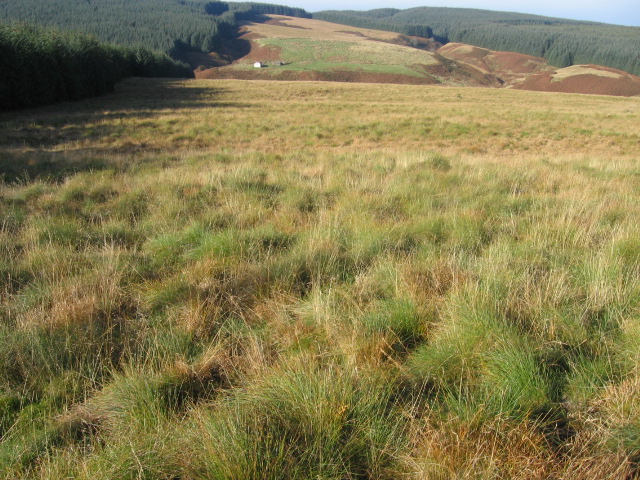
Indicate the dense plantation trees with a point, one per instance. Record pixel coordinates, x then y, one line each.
561 42
172 26
246 11
40 66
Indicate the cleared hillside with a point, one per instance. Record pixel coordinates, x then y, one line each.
590 79
509 66
304 49
516 70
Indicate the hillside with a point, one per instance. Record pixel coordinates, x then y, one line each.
221 279
510 67
231 36
590 79
188 28
306 49
561 42
525 72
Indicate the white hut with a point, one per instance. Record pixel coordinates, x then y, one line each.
257 65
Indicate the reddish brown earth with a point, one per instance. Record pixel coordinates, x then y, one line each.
516 63
619 83
461 73
510 67
267 53
525 72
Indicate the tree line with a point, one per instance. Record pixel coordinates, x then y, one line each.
41 66
562 42
171 26
49 62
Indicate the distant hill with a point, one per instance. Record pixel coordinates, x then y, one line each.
291 48
187 28
509 66
561 42
304 49
591 79
420 45
519 71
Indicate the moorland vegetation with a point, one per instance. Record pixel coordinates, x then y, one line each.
243 280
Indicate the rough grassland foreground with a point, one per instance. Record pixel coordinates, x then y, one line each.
266 280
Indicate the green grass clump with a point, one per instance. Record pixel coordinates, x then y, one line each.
398 318
301 422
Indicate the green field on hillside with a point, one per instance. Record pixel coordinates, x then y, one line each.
266 280
323 55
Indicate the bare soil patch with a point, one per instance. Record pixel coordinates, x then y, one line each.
516 63
264 53
510 67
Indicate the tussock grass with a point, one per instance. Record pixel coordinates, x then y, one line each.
300 422
269 280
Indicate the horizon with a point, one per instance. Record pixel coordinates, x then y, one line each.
625 12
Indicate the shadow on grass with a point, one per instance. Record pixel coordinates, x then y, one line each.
39 142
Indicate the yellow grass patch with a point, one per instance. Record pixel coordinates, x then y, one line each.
315 30
574 70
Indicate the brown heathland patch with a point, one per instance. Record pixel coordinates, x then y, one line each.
510 67
591 79
527 72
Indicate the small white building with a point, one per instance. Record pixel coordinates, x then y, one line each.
257 65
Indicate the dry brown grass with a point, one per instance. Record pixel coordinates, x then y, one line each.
563 73
291 27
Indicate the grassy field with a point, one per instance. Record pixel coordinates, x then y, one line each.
330 55
266 280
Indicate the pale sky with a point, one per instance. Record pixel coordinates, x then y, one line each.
621 12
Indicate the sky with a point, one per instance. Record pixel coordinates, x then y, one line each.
620 12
